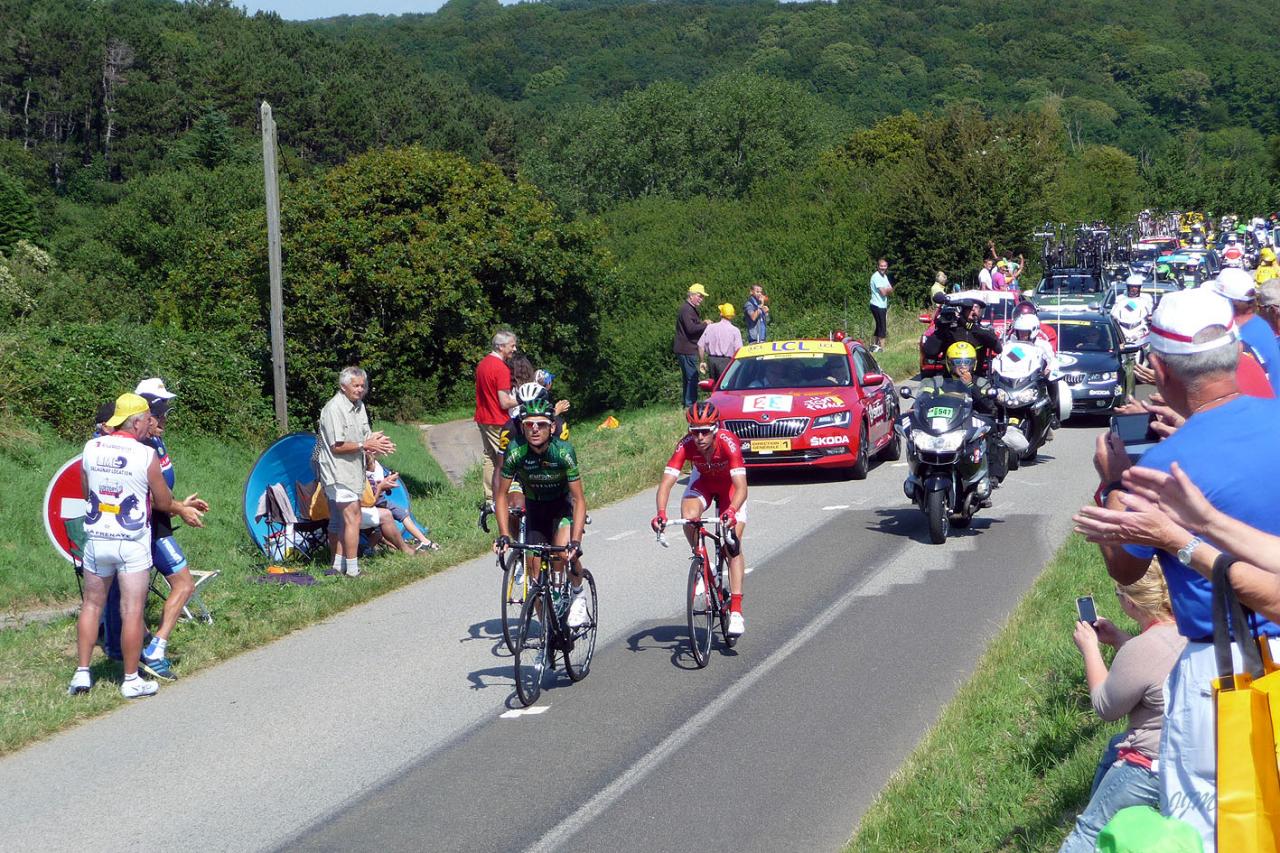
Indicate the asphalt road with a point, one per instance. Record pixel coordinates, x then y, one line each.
391 725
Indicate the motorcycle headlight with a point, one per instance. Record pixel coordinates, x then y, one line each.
836 419
1025 397
947 442
1107 376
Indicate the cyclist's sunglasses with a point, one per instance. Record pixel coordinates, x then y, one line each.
538 424
701 430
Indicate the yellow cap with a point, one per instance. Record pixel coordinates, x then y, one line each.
726 311
698 289
127 405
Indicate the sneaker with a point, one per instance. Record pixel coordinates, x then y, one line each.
354 573
158 668
876 348
134 688
737 625
578 615
80 683
426 545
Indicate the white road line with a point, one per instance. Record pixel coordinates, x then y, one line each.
778 502
623 535
675 741
837 506
524 712
898 465
748 570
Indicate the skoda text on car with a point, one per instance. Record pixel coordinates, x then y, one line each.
998 313
808 402
1073 290
1089 357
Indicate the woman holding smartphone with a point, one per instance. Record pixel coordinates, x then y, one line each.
1135 687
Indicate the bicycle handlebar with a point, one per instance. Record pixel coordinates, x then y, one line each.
728 535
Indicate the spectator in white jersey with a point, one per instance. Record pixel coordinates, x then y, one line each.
121 480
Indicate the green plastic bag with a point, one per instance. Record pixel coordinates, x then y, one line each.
1142 829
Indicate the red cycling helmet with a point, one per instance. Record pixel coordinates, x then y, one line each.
703 414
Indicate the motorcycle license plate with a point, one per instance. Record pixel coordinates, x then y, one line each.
768 445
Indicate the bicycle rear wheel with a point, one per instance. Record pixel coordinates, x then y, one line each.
532 649
577 661
514 592
699 609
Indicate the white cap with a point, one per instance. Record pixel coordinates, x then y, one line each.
154 387
1235 284
1184 314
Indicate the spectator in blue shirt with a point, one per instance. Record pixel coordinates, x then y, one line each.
756 312
1230 447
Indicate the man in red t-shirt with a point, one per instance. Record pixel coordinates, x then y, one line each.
493 400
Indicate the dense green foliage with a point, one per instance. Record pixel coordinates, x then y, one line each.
601 155
405 262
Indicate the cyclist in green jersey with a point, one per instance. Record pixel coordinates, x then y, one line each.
555 506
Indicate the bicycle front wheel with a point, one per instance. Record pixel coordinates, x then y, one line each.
515 589
532 649
577 661
699 609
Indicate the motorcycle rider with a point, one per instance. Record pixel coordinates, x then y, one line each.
958 322
1026 329
960 378
1136 306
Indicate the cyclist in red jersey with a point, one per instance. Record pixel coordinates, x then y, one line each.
719 475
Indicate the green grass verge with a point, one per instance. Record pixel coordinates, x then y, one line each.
37 660
1009 763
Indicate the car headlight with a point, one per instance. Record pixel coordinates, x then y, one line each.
944 443
1107 376
836 419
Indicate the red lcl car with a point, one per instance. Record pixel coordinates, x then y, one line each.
808 402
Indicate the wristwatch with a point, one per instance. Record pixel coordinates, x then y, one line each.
1185 552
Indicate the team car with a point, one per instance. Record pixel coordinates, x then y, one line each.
808 402
1089 357
1073 289
998 313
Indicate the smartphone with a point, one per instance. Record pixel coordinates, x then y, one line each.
1088 613
1135 433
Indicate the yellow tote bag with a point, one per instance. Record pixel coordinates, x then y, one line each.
1248 769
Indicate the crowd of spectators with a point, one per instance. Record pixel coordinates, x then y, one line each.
1205 494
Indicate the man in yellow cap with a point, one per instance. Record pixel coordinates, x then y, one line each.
719 343
689 328
122 483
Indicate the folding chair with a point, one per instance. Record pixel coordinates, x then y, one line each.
285 529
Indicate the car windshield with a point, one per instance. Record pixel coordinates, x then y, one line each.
1074 283
1146 253
826 370
1084 337
999 311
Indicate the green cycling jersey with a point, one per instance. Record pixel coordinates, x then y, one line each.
543 476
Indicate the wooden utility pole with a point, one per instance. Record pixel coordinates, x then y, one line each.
273 262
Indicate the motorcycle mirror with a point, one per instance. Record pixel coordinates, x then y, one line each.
904 392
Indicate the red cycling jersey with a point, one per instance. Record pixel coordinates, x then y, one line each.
726 460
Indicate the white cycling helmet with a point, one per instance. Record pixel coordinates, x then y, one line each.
529 392
1027 323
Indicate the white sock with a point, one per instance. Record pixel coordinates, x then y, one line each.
353 566
156 650
130 677
339 563
82 669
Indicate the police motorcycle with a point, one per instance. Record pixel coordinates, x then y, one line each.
1027 406
948 450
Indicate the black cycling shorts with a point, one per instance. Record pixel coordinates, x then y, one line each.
543 518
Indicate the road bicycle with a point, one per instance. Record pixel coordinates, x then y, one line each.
515 578
544 630
707 594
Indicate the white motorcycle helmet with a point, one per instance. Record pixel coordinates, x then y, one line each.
1028 323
